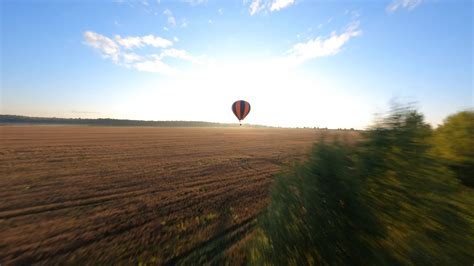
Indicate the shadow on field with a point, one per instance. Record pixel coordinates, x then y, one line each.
226 234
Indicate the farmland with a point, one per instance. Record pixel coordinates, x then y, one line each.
79 194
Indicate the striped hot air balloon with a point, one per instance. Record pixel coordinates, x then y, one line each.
241 109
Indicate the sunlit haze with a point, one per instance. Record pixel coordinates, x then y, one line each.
298 63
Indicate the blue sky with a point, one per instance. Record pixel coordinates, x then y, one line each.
298 62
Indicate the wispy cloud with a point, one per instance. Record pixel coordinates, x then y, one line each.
156 63
257 6
129 42
321 46
184 23
280 4
176 53
155 66
220 11
156 41
151 40
194 2
131 57
170 18
407 4
104 45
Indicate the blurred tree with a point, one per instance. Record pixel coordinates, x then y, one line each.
386 200
454 143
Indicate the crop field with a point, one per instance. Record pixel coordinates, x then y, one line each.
79 194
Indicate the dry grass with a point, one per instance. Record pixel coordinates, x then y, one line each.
127 194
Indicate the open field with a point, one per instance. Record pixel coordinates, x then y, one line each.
129 194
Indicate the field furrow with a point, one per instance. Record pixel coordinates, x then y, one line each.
107 195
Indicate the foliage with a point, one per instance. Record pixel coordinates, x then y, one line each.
454 143
386 200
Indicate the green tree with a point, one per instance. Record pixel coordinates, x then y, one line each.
454 144
383 201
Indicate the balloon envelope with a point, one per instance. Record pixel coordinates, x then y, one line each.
241 109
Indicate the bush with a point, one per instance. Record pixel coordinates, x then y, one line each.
454 143
386 200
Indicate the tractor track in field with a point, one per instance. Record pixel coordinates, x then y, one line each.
104 195
213 246
97 199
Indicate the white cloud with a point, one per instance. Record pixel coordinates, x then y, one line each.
151 40
210 21
106 46
131 57
170 17
156 41
320 46
175 39
355 14
220 11
184 23
154 63
176 53
268 5
255 7
408 4
194 2
155 66
280 4
129 42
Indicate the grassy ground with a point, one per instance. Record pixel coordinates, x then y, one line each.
129 195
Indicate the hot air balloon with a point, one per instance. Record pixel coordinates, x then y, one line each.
241 109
